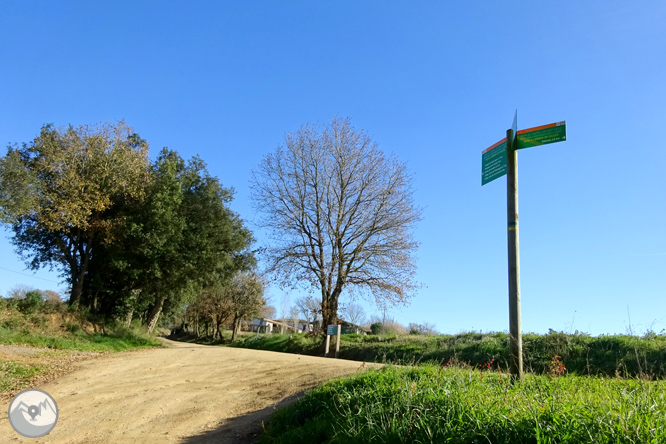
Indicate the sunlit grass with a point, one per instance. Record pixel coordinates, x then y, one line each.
432 404
581 354
13 374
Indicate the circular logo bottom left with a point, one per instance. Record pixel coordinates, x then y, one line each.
33 413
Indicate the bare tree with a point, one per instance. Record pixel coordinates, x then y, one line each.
268 312
52 297
422 329
354 313
293 314
341 214
309 308
284 311
19 291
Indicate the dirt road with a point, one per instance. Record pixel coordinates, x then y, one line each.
186 393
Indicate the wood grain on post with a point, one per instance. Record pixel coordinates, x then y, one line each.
328 344
516 343
337 343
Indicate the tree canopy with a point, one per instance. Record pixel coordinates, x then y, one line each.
341 214
56 193
180 239
131 236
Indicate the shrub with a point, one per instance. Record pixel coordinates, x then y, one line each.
32 301
72 328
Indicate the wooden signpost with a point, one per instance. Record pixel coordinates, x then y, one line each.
333 330
496 161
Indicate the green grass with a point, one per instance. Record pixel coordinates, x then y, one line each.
115 341
434 404
15 374
54 330
617 355
62 330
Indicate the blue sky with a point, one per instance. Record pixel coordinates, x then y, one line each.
434 83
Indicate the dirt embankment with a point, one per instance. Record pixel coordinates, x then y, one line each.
186 393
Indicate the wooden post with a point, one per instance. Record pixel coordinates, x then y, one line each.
328 344
516 344
337 343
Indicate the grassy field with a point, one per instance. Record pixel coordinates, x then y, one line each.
455 389
47 341
581 354
437 404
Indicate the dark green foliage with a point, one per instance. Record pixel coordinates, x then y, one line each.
130 236
377 328
57 192
31 302
181 237
434 404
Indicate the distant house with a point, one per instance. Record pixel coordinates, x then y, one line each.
300 326
264 325
259 324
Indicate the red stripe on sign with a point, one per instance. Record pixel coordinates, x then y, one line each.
494 146
537 128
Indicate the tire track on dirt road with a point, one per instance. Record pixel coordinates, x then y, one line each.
185 393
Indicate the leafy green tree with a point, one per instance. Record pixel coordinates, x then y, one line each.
181 238
57 192
246 292
215 303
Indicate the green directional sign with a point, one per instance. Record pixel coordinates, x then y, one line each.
541 135
332 330
493 162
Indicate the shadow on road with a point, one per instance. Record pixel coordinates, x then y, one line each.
244 429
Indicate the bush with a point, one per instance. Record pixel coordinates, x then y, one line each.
377 328
33 300
72 328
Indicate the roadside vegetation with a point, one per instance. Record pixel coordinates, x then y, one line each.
47 336
434 404
580 354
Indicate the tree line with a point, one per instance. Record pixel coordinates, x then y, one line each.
130 236
137 238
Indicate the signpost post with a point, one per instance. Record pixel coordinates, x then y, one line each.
496 161
515 331
333 330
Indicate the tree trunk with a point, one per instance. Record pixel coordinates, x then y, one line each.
217 333
128 318
79 274
235 328
155 313
77 286
330 311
